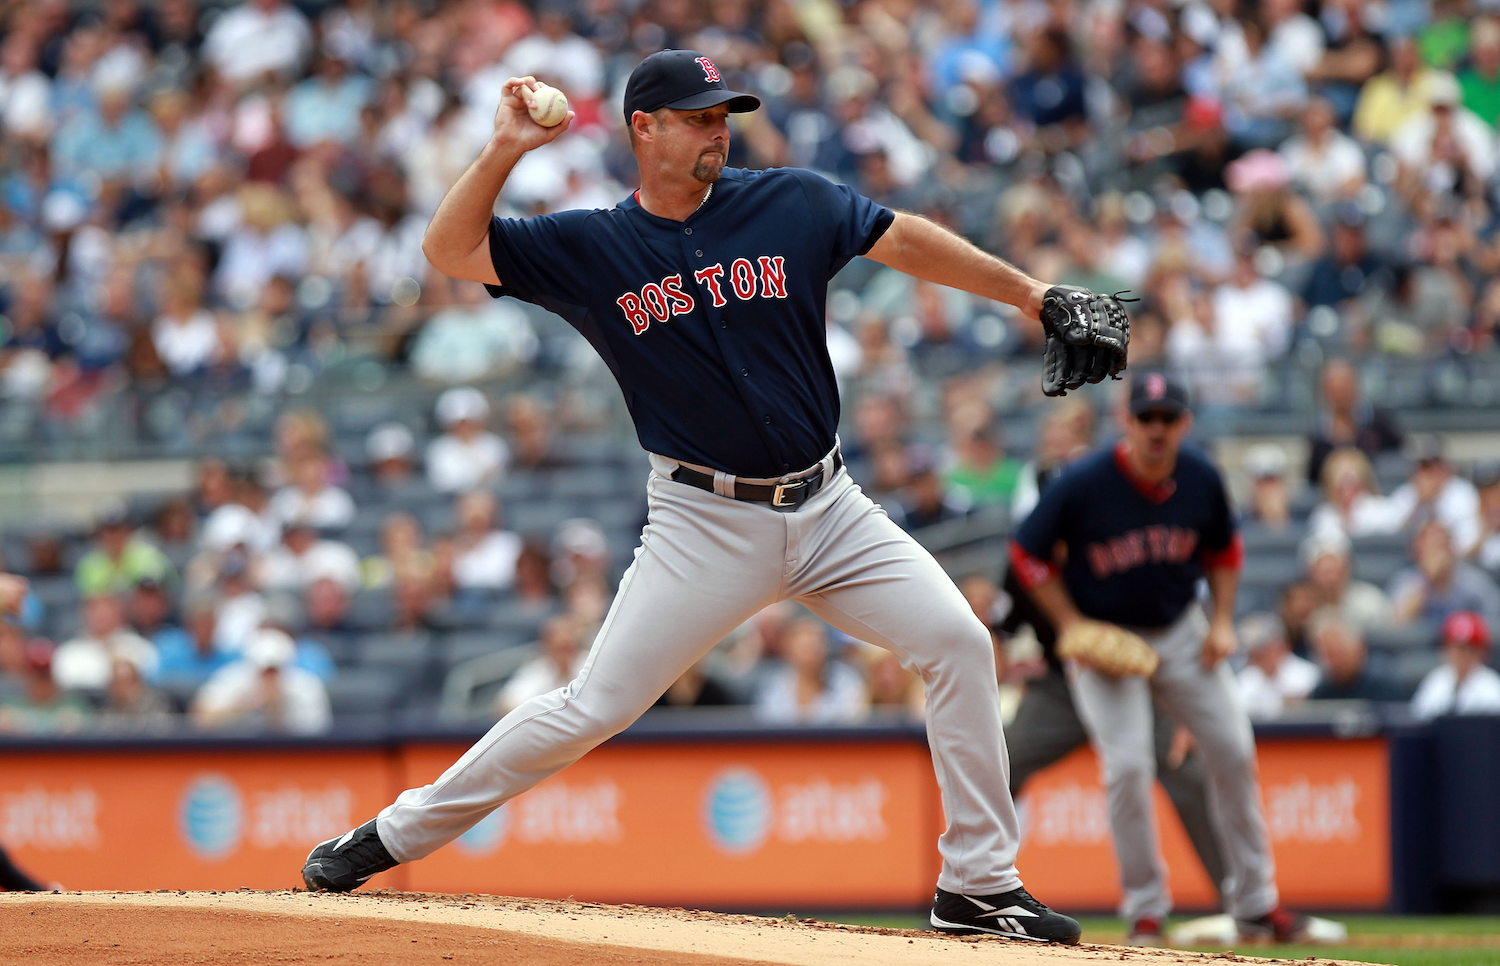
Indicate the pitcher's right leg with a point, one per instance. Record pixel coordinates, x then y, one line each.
705 565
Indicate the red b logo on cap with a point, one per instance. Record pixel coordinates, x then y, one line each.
1156 385
710 72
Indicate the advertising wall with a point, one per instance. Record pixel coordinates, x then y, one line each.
182 820
1327 808
728 825
748 824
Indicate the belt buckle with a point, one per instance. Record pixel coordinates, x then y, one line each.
783 488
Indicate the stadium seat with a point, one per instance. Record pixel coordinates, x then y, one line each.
462 646
1271 568
519 616
1418 636
470 688
1410 667
620 513
367 690
590 482
1378 566
1260 539
369 610
539 517
405 651
55 591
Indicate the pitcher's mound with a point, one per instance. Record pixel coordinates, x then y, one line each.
256 928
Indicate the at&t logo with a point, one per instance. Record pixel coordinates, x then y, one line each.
488 835
737 810
211 816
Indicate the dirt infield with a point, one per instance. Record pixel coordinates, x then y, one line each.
234 928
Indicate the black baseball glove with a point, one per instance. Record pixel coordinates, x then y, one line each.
1087 335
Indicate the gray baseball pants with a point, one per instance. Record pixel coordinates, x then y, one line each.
1117 712
1046 730
706 563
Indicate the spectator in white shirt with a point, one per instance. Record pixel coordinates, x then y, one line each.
240 609
1436 492
1487 483
1463 683
186 336
25 92
809 688
1225 340
556 52
302 558
248 521
1326 561
466 455
1352 504
311 500
561 658
256 38
1274 676
266 689
484 556
1325 162
1252 314
87 661
1441 145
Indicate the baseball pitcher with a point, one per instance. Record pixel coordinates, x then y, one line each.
704 292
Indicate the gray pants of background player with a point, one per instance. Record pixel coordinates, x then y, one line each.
707 563
1047 729
1118 715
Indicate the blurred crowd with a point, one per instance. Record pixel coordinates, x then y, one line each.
205 208
229 199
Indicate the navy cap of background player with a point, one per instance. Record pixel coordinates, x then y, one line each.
1153 391
684 80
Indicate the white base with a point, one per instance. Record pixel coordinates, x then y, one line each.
1221 931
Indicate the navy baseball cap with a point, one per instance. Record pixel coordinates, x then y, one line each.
1157 392
684 80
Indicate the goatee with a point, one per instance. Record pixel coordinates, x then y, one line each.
708 171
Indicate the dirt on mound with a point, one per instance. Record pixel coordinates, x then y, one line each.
247 927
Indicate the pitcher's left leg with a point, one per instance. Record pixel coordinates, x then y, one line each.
875 583
867 577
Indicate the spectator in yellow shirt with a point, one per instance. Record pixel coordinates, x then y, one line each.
1392 97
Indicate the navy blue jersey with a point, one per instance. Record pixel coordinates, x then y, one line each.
1135 552
713 326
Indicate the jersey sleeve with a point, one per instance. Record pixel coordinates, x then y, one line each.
536 259
1220 544
1043 527
854 223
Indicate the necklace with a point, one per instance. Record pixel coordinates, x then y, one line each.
705 196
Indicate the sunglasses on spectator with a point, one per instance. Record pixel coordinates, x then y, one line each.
1158 416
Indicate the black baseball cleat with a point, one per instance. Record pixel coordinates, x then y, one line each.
345 863
1014 915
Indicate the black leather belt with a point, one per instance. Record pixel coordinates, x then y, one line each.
782 496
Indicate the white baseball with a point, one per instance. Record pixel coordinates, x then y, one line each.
548 106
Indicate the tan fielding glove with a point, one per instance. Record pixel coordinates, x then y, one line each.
1108 649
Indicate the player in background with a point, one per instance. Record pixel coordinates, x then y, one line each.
1046 729
705 293
1142 523
13 593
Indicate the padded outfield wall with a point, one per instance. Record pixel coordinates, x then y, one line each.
731 816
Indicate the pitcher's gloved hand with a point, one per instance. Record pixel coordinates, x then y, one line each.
1087 338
